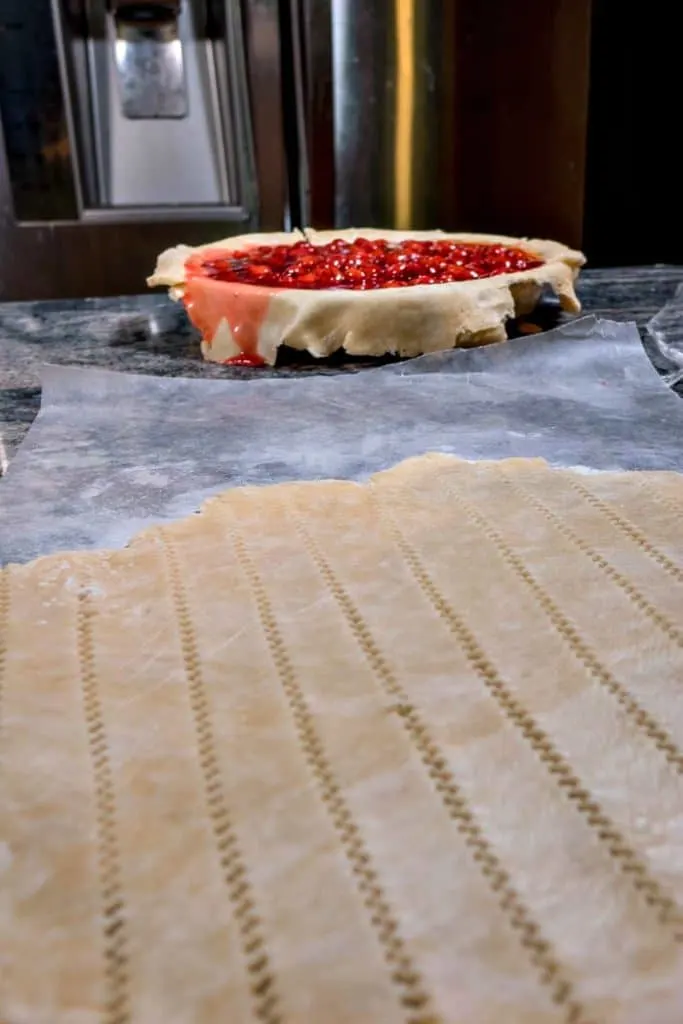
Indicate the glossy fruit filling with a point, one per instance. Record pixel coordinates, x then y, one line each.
365 264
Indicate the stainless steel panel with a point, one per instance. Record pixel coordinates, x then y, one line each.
231 82
316 48
264 64
148 53
392 89
393 101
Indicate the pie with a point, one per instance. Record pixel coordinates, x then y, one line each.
332 753
366 291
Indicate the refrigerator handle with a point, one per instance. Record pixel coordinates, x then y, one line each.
294 100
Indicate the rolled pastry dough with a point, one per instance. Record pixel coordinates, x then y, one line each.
399 753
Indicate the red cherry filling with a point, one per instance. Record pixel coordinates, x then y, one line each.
365 264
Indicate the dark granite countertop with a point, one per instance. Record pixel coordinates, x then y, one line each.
150 334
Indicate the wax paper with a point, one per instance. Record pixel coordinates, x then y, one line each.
665 331
111 453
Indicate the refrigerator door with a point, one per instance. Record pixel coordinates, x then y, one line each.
127 126
446 114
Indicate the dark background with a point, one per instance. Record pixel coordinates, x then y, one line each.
634 175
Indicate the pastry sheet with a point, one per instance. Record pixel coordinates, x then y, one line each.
402 753
111 453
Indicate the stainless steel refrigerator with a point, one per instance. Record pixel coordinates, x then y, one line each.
127 126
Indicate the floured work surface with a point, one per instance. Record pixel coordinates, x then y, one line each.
405 752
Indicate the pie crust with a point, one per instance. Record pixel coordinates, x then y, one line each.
239 318
407 752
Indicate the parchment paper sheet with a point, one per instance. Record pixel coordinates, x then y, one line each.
110 453
665 331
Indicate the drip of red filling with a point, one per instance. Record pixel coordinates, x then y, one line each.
246 359
208 303
365 264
